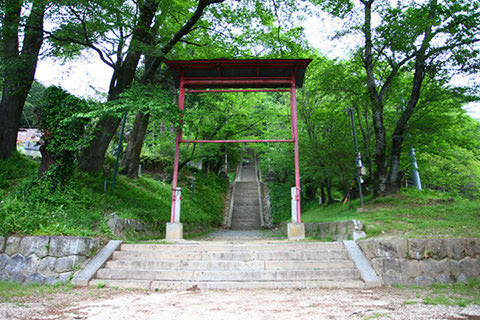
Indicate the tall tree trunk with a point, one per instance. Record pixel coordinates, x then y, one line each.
322 193
93 156
402 124
328 184
19 68
134 147
376 99
369 145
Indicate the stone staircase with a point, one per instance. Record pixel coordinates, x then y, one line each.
227 265
246 204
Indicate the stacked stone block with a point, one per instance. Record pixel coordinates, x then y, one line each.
423 262
334 231
43 259
135 229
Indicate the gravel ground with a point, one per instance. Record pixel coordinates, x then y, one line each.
93 303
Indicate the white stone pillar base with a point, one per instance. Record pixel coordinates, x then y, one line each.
174 231
296 231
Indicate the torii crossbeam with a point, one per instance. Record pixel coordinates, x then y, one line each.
252 75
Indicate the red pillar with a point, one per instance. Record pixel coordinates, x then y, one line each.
181 103
293 106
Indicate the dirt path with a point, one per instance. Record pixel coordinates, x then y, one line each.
384 303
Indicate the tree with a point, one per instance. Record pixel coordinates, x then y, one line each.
19 63
426 38
145 24
280 40
62 133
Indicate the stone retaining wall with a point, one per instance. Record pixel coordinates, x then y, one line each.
333 231
135 229
423 262
43 259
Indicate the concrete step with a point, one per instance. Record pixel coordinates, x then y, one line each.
246 255
246 185
246 197
245 227
229 265
226 285
249 207
245 223
248 222
207 275
228 246
241 217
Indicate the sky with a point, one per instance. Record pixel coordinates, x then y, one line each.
87 76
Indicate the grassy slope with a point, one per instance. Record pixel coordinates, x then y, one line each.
83 208
411 214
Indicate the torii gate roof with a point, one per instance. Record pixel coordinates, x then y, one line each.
245 73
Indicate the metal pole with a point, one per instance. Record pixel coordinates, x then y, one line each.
119 150
415 173
358 161
293 106
181 102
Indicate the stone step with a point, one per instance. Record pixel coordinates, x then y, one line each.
247 185
226 285
246 217
226 265
208 275
243 204
250 189
237 223
228 246
245 198
246 255
245 227
248 221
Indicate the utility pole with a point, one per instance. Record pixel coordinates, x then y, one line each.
358 160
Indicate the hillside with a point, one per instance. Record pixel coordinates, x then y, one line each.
410 214
82 207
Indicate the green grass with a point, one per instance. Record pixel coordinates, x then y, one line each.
410 214
10 290
82 208
458 294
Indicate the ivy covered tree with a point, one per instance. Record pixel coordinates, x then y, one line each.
62 124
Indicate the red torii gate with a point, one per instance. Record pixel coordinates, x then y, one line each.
252 75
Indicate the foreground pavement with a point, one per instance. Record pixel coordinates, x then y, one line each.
105 303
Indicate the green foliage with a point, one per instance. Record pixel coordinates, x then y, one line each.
34 207
280 203
62 128
34 99
14 169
